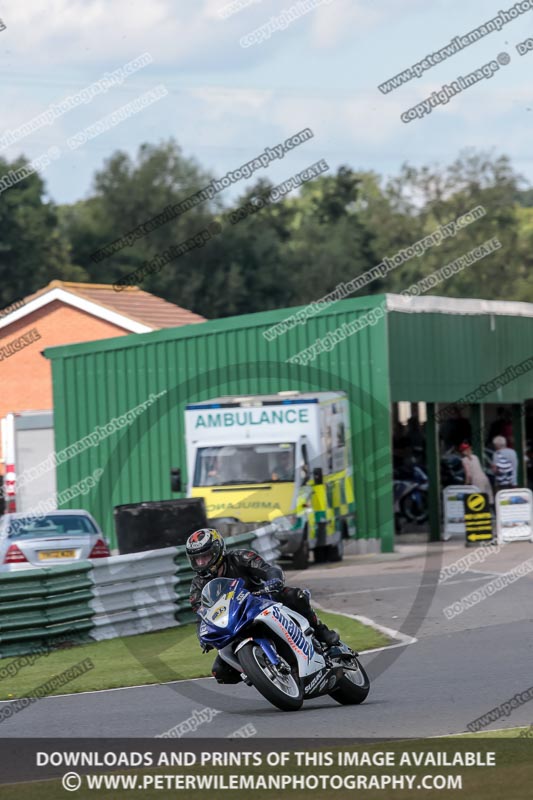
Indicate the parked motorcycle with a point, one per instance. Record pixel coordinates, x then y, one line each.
410 496
451 469
274 649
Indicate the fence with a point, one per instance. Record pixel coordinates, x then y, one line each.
104 598
41 607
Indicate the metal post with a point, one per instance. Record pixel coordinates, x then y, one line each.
519 434
433 468
477 419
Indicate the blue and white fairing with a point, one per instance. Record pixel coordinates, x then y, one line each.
228 609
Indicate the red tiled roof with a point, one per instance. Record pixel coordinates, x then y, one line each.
132 302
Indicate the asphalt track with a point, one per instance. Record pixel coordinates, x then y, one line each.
454 672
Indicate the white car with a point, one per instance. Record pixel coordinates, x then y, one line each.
58 537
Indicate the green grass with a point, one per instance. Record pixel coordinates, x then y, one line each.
507 733
169 655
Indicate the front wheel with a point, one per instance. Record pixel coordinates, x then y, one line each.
354 686
283 690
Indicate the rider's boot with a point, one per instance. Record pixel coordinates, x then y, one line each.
325 634
322 632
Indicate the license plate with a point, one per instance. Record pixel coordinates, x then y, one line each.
44 554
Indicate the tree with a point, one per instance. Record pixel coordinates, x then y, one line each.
128 192
246 267
523 285
330 241
419 200
291 251
524 197
33 250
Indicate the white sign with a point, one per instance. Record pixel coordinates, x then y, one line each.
454 510
205 425
265 416
514 515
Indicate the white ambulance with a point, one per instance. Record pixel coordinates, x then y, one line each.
283 457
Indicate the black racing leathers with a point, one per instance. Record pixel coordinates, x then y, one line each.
245 564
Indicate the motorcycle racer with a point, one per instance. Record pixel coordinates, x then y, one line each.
207 555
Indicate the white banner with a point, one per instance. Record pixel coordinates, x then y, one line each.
514 515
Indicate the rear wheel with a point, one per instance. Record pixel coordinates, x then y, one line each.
353 688
282 689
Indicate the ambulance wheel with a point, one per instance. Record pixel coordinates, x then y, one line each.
300 559
336 551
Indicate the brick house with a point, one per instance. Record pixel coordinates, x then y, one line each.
65 313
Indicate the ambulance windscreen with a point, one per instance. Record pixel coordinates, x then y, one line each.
244 464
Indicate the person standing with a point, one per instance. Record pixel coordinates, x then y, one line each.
474 473
504 464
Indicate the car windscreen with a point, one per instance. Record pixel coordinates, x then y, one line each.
50 525
244 464
215 589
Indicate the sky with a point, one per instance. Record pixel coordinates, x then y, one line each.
226 98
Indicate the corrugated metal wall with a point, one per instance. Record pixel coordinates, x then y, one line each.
442 357
96 382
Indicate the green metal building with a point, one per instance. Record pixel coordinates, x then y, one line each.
379 350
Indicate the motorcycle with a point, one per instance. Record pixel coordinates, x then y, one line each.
411 496
274 648
451 469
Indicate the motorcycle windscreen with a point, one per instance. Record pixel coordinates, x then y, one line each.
215 589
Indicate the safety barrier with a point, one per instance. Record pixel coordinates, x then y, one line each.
105 598
41 607
133 593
